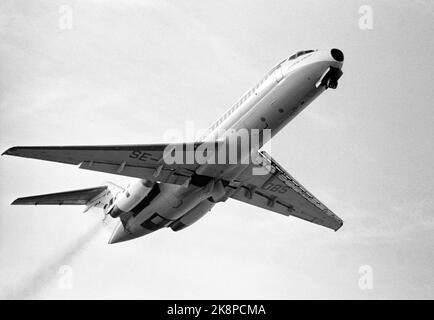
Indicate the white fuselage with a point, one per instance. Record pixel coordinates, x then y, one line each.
283 93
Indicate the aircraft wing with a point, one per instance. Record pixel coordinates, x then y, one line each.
279 192
139 161
76 197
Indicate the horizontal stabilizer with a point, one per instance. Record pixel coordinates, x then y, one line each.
76 197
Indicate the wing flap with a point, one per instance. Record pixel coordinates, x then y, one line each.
76 197
166 175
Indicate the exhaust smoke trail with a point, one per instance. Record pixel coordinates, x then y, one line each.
48 273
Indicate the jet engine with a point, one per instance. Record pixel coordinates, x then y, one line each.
128 199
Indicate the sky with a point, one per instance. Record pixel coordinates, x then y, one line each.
132 71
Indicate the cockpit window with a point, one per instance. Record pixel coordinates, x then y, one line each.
298 54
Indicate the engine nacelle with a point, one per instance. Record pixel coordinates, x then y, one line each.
125 201
193 215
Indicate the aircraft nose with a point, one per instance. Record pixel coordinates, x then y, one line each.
337 54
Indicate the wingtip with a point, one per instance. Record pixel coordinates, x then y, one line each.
340 225
9 151
20 201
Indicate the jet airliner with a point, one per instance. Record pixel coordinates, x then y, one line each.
175 195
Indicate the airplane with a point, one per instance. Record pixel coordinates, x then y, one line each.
176 195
